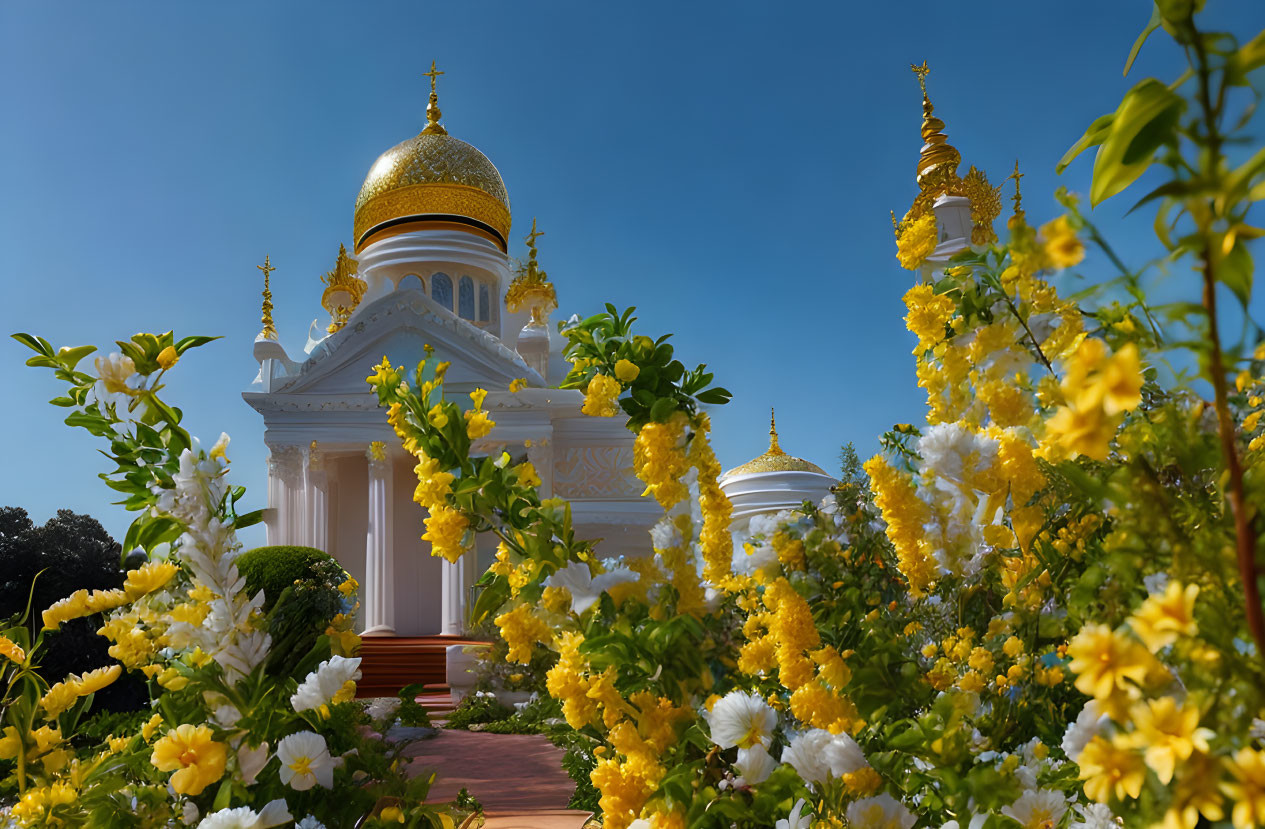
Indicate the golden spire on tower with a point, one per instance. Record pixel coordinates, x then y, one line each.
1018 197
531 287
937 174
433 114
343 291
774 447
269 331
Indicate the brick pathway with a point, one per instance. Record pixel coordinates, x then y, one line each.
517 777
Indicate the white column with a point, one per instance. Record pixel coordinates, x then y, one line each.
452 596
317 499
285 494
379 552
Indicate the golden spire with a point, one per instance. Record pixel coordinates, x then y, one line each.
433 114
939 160
531 287
774 448
343 291
1018 197
270 330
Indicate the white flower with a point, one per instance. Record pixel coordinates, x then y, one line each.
382 707
320 686
880 812
639 823
585 589
665 535
1095 816
752 557
1037 809
743 720
797 819
226 715
243 817
1089 722
305 761
189 813
817 755
754 764
251 761
1155 583
309 822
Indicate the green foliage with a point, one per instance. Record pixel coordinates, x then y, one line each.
95 729
273 569
478 708
662 385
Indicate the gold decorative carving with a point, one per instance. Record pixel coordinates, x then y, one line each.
422 198
269 330
775 460
343 291
377 451
531 287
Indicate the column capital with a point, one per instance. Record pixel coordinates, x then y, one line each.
376 454
285 461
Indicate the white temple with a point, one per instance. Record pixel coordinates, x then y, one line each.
430 267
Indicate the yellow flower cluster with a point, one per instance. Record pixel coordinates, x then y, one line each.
150 577
38 805
929 314
659 459
714 538
916 241
600 396
1063 249
12 650
63 694
446 530
195 757
905 516
522 630
82 603
1097 389
477 422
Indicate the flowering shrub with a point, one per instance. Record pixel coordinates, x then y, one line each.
1038 607
230 741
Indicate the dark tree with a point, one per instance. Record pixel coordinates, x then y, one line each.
71 552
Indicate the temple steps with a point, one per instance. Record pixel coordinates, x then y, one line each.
389 663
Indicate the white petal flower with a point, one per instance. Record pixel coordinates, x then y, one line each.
880 812
309 822
251 761
754 764
1037 809
320 686
743 720
1095 816
799 818
585 589
817 755
243 817
1089 723
305 761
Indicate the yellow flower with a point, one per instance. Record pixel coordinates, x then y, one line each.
521 631
518 384
600 396
1247 789
433 483
73 606
917 241
1120 381
437 417
1013 646
626 370
1162 618
1168 734
384 376
391 813
1062 247
477 397
1085 432
189 751
1110 770
151 726
478 424
114 371
12 650
928 315
445 530
1195 793
526 474
168 357
148 578
1104 661
59 698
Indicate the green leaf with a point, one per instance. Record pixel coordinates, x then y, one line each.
1151 26
1145 120
662 409
38 344
186 343
1093 136
1234 270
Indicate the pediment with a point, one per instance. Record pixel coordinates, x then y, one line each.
400 325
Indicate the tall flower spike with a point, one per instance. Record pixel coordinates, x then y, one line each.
433 114
269 331
939 159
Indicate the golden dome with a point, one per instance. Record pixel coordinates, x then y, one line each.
435 179
774 460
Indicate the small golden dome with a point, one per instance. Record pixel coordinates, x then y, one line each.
774 460
433 178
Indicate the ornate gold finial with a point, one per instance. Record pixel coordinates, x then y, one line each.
1018 197
433 113
774 447
269 331
939 159
343 291
531 287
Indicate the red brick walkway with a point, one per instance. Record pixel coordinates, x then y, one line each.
517 777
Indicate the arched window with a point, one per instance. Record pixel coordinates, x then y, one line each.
412 282
441 289
465 298
485 304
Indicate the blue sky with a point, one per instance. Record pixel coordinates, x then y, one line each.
727 168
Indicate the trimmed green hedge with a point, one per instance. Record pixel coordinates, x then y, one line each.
273 569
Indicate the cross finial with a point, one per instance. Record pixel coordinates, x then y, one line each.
432 74
269 330
774 447
535 234
921 72
1018 198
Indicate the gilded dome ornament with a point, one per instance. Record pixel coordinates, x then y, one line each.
531 287
343 291
269 331
774 460
937 174
432 181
